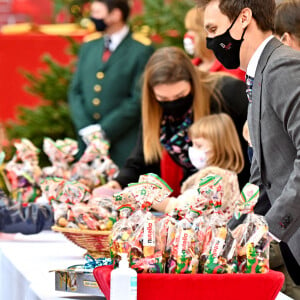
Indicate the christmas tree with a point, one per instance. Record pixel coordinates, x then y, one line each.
164 20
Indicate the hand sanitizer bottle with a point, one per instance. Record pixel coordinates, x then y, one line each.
123 281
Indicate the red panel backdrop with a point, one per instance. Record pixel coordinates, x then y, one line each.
24 52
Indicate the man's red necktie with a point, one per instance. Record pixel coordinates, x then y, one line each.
106 52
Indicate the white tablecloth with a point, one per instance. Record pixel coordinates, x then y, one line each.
25 262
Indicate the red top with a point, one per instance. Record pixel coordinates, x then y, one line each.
218 67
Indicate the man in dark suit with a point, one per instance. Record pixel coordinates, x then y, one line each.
105 89
240 34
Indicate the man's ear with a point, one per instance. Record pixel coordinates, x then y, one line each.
245 17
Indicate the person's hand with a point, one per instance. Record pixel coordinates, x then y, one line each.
246 134
107 189
113 184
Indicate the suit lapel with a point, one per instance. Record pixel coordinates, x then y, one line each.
255 116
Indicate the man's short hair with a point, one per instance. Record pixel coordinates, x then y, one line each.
262 10
122 5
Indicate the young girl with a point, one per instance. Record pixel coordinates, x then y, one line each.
216 150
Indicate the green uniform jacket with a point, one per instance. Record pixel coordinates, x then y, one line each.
109 93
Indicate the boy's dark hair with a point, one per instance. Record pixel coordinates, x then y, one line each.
262 10
287 18
122 5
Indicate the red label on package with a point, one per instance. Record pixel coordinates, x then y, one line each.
149 233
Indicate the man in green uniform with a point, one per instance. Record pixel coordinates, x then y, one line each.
105 89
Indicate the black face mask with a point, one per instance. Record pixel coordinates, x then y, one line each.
99 24
177 107
226 48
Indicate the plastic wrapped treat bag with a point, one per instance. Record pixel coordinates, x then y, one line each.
202 234
165 236
146 255
252 235
60 153
125 204
213 239
95 166
222 254
23 173
183 257
205 182
63 195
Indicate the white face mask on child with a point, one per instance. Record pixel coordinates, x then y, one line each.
198 157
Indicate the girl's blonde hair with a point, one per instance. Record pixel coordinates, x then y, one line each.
166 66
194 21
226 147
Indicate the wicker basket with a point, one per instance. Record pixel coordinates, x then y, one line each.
96 242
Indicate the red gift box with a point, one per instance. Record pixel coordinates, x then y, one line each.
199 286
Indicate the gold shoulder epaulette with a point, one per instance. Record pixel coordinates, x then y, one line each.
92 36
140 37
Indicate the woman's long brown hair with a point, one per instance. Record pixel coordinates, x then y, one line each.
166 66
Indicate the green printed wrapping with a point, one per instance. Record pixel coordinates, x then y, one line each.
210 196
27 152
221 257
248 199
192 214
144 193
22 173
183 247
155 179
182 264
124 198
215 265
257 260
253 247
74 192
95 149
60 151
152 264
61 190
52 187
209 185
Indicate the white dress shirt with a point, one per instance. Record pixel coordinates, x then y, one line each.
117 37
251 69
